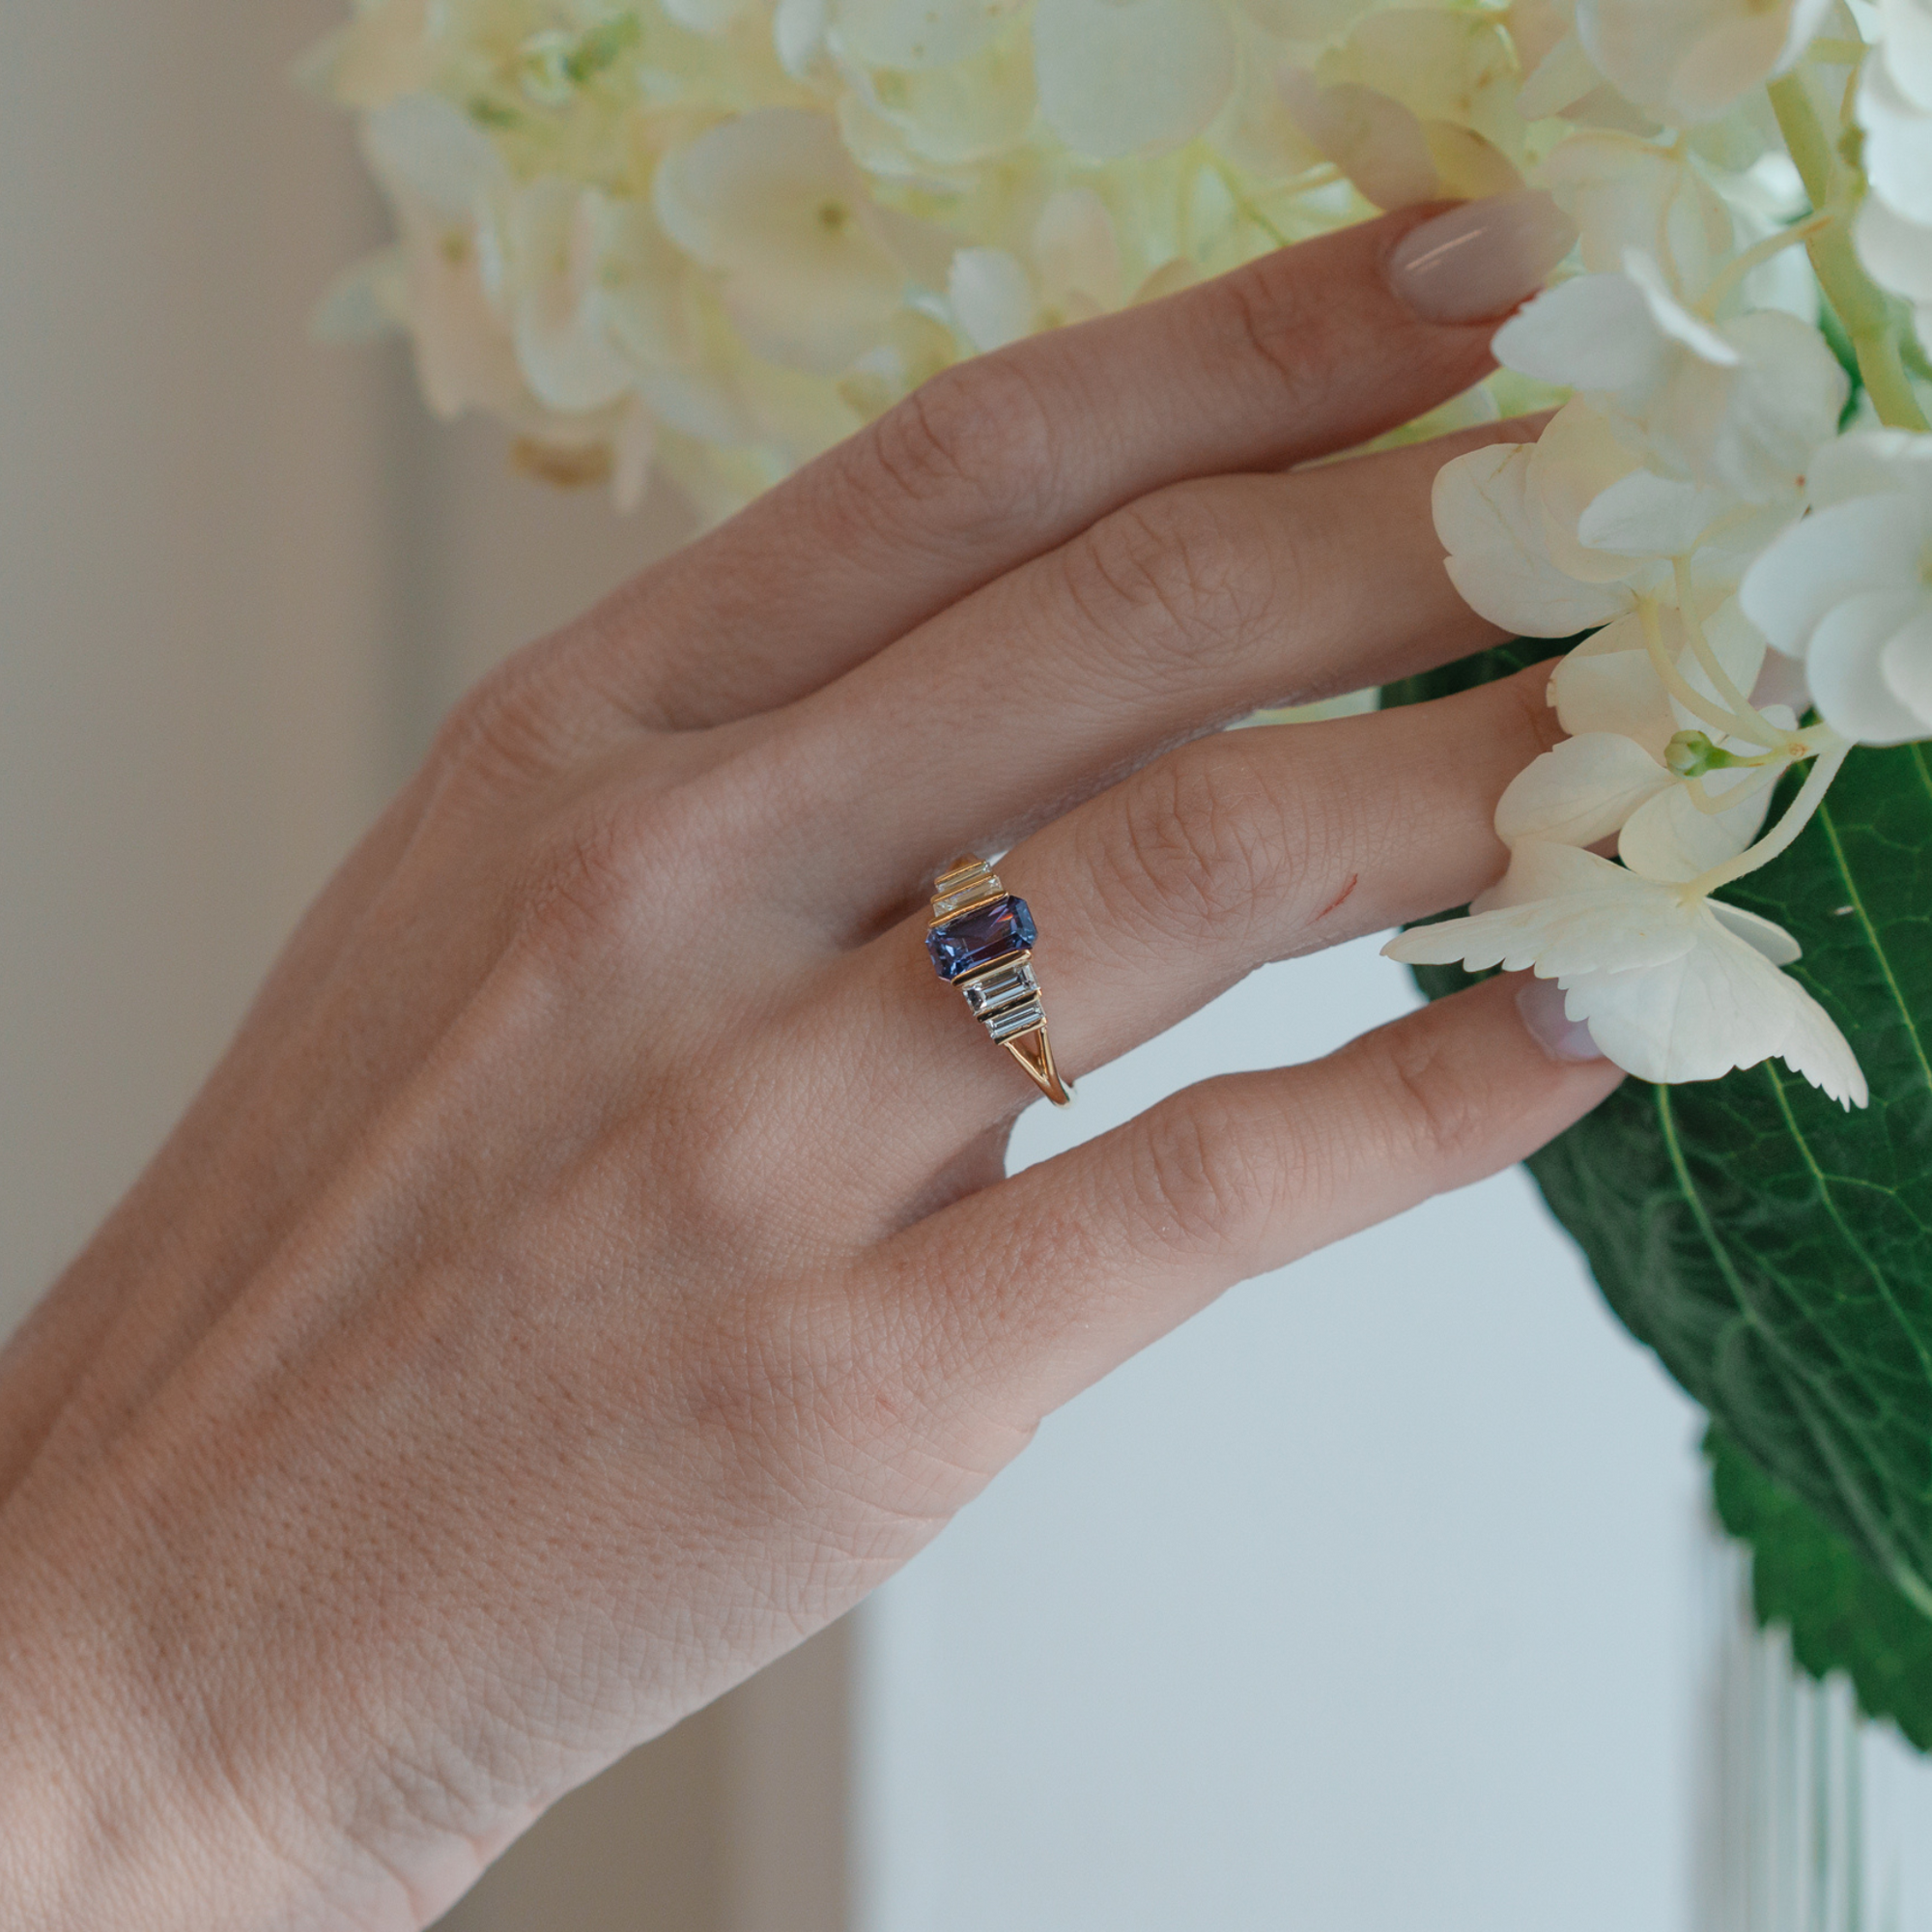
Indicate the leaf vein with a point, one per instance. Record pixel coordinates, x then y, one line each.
1870 931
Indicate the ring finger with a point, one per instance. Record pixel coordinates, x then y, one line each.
1164 890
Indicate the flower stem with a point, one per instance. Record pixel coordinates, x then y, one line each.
1757 255
1871 319
1680 687
1762 730
1810 796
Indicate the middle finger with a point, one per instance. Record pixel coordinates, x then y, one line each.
1166 619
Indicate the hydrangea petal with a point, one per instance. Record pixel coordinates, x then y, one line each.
1647 515
426 145
1609 683
916 34
1872 463
1496 556
1898 143
1896 250
1668 838
1592 334
1845 663
992 295
1131 76
1906 662
773 200
1717 1006
1772 941
1905 34
1850 548
1560 910
1581 791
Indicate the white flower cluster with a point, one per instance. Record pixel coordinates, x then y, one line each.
720 235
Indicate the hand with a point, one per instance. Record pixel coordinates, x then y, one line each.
591 1269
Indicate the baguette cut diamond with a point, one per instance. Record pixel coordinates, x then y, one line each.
983 933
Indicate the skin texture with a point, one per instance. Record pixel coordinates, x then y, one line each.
591 1269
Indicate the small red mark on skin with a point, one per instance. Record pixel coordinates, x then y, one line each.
1340 899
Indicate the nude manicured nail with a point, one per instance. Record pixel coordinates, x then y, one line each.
1541 1005
1481 259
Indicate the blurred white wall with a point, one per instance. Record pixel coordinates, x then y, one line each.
1356 1604
1367 1603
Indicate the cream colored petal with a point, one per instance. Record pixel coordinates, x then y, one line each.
916 34
773 200
1772 941
427 147
992 297
1577 459
1075 251
1668 838
1905 37
1561 912
1647 515
1121 77
1896 252
1907 665
1496 556
1592 334
1717 1006
1846 667
1897 144
1581 791
1868 543
1609 683
1871 463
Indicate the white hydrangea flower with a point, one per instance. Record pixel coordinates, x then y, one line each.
1415 104
1571 531
1074 273
1120 78
1672 987
444 178
1625 193
806 261
1691 61
1893 232
1849 591
1616 776
1737 405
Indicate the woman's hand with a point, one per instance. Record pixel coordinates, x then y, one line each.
590 1270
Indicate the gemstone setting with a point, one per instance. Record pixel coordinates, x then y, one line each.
979 935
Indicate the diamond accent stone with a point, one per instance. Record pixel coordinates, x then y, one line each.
986 992
979 935
1012 1020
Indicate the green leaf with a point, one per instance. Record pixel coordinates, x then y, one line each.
1775 1251
1841 1613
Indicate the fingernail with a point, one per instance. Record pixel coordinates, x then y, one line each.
1541 1002
1481 259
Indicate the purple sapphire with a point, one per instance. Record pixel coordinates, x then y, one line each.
970 939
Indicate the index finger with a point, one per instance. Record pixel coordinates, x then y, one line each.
1303 352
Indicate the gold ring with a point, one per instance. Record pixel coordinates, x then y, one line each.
980 940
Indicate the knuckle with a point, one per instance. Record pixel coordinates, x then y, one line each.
1187 573
1207 1178
976 440
504 732
1437 1120
1199 846
1267 315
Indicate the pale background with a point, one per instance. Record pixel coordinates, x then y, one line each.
1369 1601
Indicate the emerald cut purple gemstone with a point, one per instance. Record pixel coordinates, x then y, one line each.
970 939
